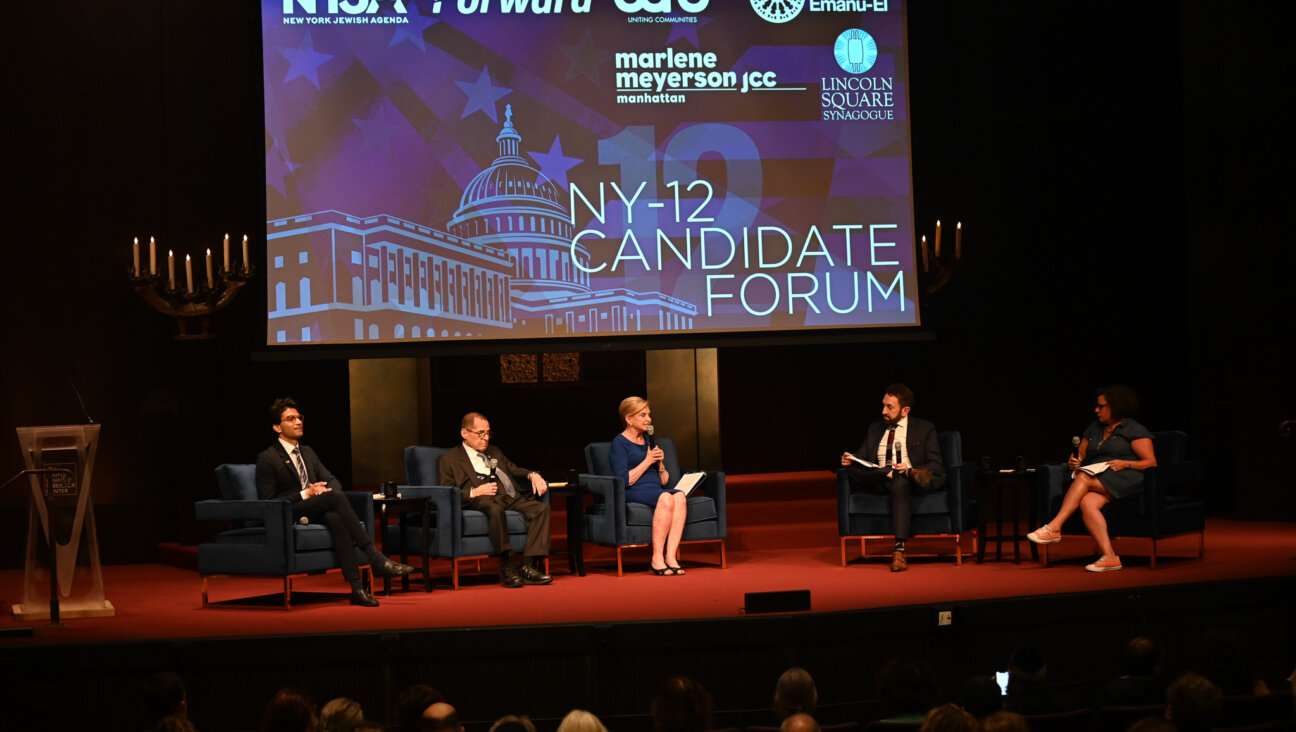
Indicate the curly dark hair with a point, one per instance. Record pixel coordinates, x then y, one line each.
281 405
1122 399
902 393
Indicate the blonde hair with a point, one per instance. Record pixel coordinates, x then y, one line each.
631 406
579 720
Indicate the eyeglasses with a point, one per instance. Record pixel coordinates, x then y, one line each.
479 433
291 419
1100 405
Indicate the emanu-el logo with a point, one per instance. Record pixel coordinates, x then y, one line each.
855 51
777 11
661 6
350 7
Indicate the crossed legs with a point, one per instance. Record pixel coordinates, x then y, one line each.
667 528
1087 495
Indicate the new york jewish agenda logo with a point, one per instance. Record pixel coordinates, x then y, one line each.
330 12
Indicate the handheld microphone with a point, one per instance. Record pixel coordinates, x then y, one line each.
652 444
1075 447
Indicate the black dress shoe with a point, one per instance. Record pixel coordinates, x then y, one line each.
509 576
533 576
362 598
391 569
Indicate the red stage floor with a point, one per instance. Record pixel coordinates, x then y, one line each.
161 602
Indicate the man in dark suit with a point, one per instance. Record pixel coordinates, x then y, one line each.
908 458
492 484
290 471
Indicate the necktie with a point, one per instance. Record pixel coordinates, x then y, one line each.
890 444
301 468
502 478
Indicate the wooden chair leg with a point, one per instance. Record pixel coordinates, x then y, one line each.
958 552
1201 544
1154 548
843 551
454 573
723 563
204 590
1044 551
618 561
287 592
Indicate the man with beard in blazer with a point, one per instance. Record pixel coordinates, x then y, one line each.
908 454
492 484
291 471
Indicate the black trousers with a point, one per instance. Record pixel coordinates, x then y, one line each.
334 511
901 489
533 511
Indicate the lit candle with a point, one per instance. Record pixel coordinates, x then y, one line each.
245 254
937 246
188 274
226 252
152 256
958 240
924 252
171 269
135 251
211 278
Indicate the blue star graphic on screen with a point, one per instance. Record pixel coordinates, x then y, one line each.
687 32
413 31
304 61
482 95
554 164
584 59
378 132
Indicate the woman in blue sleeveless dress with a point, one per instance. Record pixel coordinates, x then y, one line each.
645 476
1125 446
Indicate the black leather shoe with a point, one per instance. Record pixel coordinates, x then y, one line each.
362 598
391 569
533 576
509 576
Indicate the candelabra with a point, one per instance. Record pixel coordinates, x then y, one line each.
191 306
940 269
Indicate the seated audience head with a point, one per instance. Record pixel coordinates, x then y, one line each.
795 692
1004 721
340 715
1193 703
1027 669
949 718
441 717
1121 399
906 686
682 705
513 723
1143 657
411 703
579 720
164 696
289 711
981 696
799 722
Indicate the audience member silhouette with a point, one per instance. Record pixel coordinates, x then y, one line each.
682 705
799 722
1141 683
906 689
1027 691
795 692
981 696
1193 703
579 720
1004 721
289 711
340 715
165 702
1226 660
410 706
949 718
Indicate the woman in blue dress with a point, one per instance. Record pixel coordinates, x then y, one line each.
645 476
1125 446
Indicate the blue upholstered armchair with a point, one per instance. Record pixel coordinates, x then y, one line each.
1164 509
614 522
265 540
458 534
945 513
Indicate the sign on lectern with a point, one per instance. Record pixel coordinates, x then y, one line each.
62 512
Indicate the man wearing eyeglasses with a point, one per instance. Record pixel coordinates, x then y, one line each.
907 453
492 484
291 471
